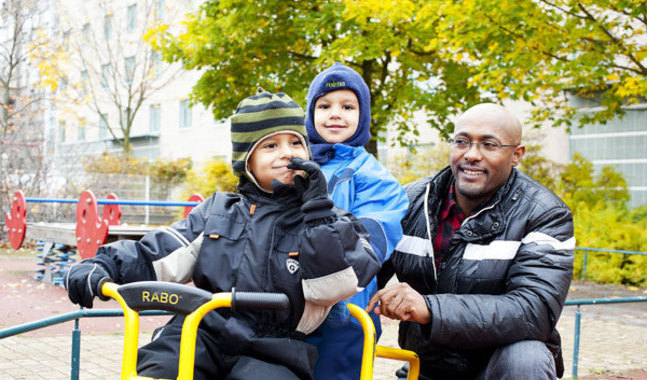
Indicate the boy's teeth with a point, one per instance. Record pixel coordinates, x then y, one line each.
472 172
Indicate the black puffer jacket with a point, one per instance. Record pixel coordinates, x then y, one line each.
504 279
258 242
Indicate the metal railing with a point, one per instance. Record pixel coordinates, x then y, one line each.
578 317
76 332
602 250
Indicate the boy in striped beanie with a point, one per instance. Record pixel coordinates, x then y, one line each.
280 233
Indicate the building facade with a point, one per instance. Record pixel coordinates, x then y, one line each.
621 143
113 84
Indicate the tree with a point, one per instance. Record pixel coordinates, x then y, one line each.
544 51
22 163
281 45
540 168
580 185
440 56
106 66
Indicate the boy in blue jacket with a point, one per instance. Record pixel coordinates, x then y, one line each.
338 119
280 233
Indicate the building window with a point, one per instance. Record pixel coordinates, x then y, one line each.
105 75
131 17
84 82
125 114
156 64
154 117
185 114
85 31
61 131
66 40
160 14
129 69
103 125
107 26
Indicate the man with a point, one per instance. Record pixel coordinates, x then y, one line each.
485 262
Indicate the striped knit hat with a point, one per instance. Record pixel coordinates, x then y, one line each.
259 116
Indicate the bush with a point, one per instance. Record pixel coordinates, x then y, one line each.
215 176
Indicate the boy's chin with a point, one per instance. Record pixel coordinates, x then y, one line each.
286 180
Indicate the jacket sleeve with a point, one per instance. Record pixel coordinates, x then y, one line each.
413 258
336 259
380 204
536 286
164 254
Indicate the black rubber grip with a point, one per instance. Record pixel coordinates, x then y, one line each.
102 296
275 301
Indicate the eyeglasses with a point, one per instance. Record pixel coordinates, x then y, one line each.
488 146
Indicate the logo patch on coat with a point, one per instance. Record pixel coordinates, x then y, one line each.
292 265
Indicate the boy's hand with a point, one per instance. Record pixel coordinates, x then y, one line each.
313 190
82 281
314 184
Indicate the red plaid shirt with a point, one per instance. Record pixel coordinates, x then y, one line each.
450 218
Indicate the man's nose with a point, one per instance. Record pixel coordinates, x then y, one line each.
473 152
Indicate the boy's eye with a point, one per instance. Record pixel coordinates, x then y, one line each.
349 107
269 145
297 142
323 106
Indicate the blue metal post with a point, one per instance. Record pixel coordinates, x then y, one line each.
583 267
576 341
76 351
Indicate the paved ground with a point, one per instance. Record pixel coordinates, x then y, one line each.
613 342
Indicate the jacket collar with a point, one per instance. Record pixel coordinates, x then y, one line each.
489 215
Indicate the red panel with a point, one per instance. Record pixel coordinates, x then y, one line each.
91 231
15 221
112 213
193 198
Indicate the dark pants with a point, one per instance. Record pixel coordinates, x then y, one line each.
528 359
270 358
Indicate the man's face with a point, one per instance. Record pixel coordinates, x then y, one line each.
478 172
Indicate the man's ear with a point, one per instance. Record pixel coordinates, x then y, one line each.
518 154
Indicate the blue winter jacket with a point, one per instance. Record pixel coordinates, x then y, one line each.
358 183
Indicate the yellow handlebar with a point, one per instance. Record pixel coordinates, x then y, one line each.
371 350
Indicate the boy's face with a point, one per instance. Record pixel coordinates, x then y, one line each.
336 115
270 159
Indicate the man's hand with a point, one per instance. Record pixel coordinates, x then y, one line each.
400 301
